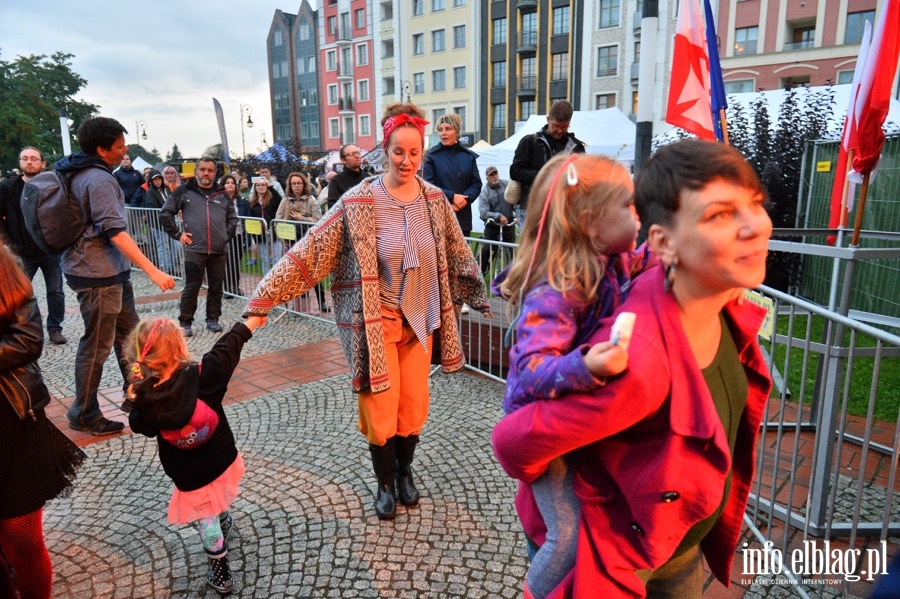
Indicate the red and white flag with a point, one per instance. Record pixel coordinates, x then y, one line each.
688 106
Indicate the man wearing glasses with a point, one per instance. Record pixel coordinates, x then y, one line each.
14 232
351 176
536 149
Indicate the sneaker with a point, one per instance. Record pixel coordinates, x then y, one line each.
188 331
56 337
214 326
102 427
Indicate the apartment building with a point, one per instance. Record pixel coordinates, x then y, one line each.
293 79
532 57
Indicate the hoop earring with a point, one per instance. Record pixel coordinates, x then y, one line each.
669 280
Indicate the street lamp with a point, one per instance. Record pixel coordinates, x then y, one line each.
245 109
407 87
262 140
140 129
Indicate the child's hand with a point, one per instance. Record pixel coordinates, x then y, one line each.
605 359
255 321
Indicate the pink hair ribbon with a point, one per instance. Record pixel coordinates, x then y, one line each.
402 119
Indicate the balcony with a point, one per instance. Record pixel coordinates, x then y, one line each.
527 5
527 86
345 71
344 34
345 104
527 42
804 45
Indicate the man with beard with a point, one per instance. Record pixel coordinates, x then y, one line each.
536 149
210 221
13 230
351 176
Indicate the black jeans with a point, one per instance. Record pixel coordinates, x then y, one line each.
109 317
195 265
50 266
495 232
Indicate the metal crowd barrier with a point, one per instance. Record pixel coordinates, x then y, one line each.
823 472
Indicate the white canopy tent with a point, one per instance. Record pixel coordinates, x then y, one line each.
139 164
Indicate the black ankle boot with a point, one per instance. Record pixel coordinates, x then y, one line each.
406 487
383 464
219 575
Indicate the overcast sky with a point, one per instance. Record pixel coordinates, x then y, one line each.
159 62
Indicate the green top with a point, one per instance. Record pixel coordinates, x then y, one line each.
727 384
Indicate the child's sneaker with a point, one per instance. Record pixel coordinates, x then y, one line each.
227 523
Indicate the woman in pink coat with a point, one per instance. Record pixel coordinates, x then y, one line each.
666 448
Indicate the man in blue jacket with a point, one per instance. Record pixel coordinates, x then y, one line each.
98 268
130 181
209 221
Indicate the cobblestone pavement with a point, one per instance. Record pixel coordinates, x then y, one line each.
304 522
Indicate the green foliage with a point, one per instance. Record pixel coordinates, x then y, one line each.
151 156
776 152
174 155
32 90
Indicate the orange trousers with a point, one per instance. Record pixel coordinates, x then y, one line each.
402 409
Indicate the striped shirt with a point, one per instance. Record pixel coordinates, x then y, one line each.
407 260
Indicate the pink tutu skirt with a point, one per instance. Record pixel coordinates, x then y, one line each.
213 499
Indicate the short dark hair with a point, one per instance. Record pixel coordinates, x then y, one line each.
99 132
687 165
560 111
41 154
343 148
207 159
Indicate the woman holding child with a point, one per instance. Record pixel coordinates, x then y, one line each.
666 449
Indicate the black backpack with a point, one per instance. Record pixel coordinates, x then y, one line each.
54 218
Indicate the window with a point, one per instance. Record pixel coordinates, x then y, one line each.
607 61
332 25
745 40
634 103
418 8
461 111
498 118
438 41
499 36
301 66
418 44
609 13
499 74
360 15
311 67
795 81
387 84
561 20
845 77
741 86
419 83
437 113
331 60
801 38
459 36
365 128
855 23
387 49
458 3
438 80
603 101
459 77
362 54
334 128
437 5
278 38
303 33
332 94
560 68
528 71
528 36
526 109
362 87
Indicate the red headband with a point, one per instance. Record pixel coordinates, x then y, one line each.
402 119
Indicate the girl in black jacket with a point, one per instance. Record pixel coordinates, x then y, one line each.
180 403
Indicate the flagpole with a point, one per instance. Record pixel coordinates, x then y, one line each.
724 120
863 192
842 222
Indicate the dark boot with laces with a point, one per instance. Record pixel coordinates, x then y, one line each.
219 575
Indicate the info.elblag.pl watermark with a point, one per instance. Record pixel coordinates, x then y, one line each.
816 562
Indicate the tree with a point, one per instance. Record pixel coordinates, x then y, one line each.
151 156
32 91
174 155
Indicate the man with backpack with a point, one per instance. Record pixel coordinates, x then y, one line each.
14 231
98 267
536 149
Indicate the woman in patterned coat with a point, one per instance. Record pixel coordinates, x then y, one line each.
401 271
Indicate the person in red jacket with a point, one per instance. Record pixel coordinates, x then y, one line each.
667 448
